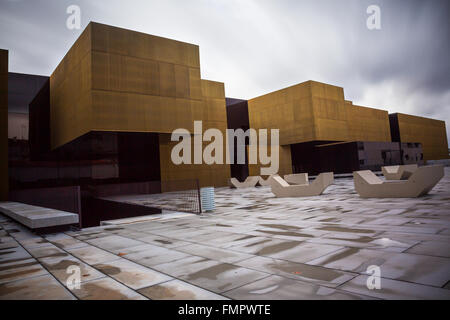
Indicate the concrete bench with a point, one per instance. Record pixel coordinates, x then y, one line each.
265 182
399 172
368 185
35 217
298 178
281 189
251 181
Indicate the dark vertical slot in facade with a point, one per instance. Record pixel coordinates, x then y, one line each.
338 158
306 157
39 126
237 118
138 156
395 129
395 133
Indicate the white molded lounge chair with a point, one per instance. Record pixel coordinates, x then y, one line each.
298 178
251 181
399 172
368 185
282 189
265 182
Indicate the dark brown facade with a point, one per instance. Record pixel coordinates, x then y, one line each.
346 157
339 157
3 124
430 133
22 88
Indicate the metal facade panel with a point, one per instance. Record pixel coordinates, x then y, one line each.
3 125
430 133
368 124
120 80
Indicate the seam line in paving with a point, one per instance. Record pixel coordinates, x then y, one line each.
46 269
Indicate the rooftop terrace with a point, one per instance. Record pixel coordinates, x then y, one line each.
254 246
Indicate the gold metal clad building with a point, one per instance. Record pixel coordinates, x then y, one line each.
122 81
430 133
119 80
313 111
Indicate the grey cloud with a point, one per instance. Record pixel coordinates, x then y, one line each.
257 46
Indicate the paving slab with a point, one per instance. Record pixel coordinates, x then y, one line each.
213 253
114 243
298 271
34 243
223 277
262 245
20 269
298 252
47 250
434 271
68 243
281 288
44 287
352 259
106 289
59 268
163 241
185 266
178 290
13 254
431 248
393 289
131 274
149 255
93 255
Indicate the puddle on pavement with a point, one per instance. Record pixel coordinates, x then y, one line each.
342 229
23 274
277 248
159 292
113 229
212 272
96 291
61 265
20 265
108 269
359 240
306 271
280 226
163 241
7 289
338 256
244 238
287 233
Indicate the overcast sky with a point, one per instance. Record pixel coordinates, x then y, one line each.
258 46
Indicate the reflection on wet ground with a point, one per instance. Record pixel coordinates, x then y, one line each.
254 246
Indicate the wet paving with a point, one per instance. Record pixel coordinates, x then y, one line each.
253 246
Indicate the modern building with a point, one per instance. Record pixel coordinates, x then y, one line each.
317 124
106 114
109 108
430 133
